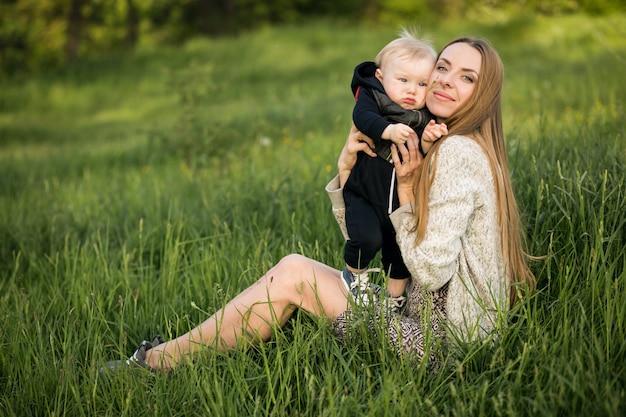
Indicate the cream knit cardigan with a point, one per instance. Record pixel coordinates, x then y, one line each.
461 247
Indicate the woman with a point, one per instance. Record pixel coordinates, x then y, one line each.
458 229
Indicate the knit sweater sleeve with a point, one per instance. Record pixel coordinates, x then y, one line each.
335 193
434 261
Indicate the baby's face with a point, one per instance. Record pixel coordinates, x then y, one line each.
406 81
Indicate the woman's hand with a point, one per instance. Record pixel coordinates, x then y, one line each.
406 159
355 143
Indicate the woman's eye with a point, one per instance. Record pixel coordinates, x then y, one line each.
468 78
441 68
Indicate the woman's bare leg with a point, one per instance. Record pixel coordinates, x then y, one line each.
295 282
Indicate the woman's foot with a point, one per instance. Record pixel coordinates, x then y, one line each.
137 359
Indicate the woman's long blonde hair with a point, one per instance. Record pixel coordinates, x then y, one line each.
480 118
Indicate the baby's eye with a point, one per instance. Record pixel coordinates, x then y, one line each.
403 80
422 84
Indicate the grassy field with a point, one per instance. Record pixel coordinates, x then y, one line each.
141 192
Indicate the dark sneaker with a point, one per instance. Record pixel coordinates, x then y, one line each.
138 359
358 285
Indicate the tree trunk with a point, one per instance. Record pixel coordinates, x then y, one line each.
74 29
207 10
132 23
215 16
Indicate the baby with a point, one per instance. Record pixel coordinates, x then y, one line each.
390 98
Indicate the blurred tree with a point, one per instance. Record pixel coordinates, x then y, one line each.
132 23
448 8
603 6
215 16
393 11
32 34
38 33
74 28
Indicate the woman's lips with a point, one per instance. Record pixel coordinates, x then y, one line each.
440 95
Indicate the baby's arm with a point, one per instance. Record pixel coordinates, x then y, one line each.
432 132
398 133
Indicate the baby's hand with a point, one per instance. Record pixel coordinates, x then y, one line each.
398 133
434 131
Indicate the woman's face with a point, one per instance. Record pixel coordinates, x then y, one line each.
453 80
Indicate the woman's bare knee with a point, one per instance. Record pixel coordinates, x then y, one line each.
289 268
299 280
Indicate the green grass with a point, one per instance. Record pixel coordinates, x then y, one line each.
140 192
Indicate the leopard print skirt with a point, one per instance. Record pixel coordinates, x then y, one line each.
419 330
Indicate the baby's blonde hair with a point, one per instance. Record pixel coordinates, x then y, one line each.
407 46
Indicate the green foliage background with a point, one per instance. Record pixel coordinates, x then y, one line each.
141 190
36 34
